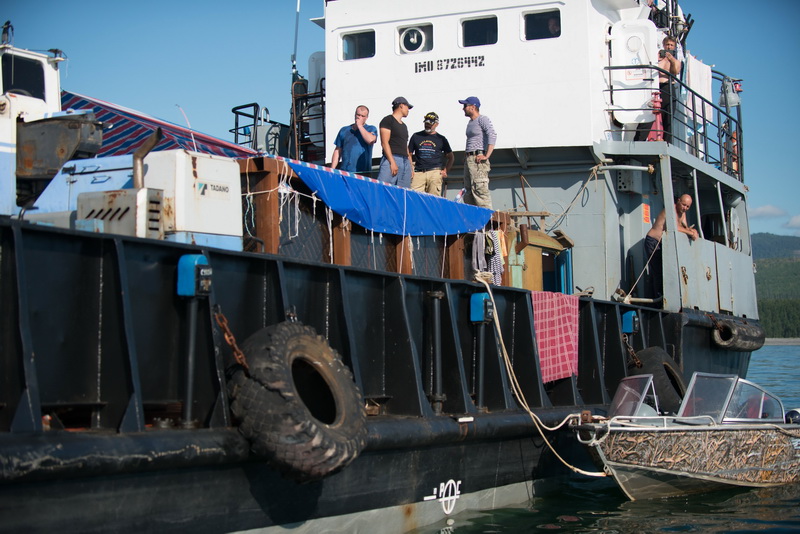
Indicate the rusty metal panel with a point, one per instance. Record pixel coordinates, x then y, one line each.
697 273
736 282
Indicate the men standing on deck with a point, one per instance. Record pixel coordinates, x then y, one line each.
432 157
481 138
353 152
395 166
652 241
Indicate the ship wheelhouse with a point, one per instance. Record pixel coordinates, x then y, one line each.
571 88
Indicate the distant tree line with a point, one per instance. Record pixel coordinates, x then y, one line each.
775 246
780 317
777 260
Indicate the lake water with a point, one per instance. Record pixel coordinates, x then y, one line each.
591 505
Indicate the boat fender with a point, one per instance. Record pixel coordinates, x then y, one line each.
738 336
298 406
667 377
793 416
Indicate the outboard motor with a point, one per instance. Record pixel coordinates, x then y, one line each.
793 417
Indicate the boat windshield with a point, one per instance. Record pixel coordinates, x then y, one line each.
633 397
730 399
749 402
707 395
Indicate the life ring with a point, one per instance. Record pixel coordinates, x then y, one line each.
667 377
298 406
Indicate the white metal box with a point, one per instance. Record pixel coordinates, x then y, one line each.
132 212
202 193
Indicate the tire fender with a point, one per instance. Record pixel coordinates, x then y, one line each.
667 377
299 406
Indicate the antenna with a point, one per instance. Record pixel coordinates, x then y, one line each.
191 132
296 31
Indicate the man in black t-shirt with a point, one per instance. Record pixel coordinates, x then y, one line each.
395 165
432 157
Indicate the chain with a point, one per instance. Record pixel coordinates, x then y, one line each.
230 339
716 323
636 361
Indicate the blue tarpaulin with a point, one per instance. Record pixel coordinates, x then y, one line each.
389 209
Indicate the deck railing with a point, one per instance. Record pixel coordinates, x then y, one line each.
693 123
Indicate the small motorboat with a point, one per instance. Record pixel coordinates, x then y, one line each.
728 432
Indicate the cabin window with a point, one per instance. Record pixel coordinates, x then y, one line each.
416 39
478 32
358 45
543 25
23 76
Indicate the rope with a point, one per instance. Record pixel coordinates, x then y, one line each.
559 218
647 263
517 390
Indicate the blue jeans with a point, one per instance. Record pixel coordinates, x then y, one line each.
403 176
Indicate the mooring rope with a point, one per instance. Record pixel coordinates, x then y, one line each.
517 390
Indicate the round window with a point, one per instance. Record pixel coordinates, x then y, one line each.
412 40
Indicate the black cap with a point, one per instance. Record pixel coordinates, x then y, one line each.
400 100
431 117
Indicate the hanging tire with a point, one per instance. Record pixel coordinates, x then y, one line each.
299 405
667 377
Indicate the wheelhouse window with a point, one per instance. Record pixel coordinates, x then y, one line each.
543 25
23 76
358 45
478 32
416 39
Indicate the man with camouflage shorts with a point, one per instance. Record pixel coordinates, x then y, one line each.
481 139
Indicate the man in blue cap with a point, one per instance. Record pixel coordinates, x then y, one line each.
481 139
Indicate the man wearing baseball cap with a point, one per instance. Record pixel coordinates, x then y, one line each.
481 139
395 165
432 157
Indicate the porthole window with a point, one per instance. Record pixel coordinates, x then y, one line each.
543 25
416 39
358 45
478 32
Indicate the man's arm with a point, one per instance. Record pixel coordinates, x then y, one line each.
683 227
449 158
674 64
386 133
335 157
366 135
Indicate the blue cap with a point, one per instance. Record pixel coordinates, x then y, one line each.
471 101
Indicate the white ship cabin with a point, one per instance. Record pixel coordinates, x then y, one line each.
571 88
31 91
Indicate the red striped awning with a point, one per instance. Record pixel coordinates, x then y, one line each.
129 129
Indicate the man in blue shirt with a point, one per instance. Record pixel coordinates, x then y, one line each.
353 152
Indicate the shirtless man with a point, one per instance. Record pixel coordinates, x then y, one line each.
652 242
683 205
668 61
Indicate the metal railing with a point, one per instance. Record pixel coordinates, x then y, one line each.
690 121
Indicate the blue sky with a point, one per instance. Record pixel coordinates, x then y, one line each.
208 57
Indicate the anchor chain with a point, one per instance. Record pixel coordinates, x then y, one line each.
636 361
230 339
716 323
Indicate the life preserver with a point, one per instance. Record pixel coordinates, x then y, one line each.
667 377
298 405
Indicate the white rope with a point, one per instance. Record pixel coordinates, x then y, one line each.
647 263
517 390
559 218
329 219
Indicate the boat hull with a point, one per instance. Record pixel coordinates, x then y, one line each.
402 487
667 462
